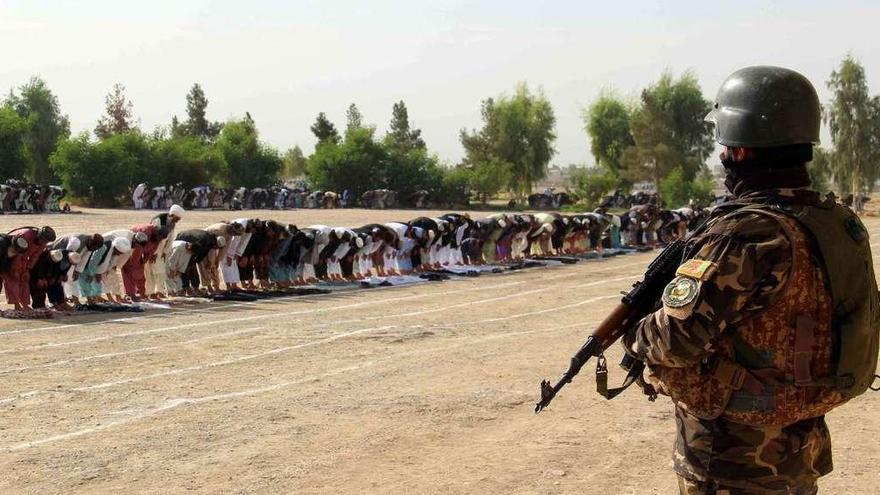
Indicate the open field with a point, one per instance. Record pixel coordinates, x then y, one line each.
422 389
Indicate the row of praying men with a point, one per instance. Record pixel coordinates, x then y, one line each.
154 260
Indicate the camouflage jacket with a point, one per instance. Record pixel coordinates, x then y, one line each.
752 260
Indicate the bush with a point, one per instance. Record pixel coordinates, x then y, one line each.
245 161
360 163
185 160
677 191
13 152
592 184
102 173
456 187
357 164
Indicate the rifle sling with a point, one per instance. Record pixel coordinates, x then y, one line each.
634 374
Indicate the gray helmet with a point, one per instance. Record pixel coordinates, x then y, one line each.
765 106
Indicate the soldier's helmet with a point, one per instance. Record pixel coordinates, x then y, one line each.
765 106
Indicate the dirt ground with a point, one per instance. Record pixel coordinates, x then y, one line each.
422 389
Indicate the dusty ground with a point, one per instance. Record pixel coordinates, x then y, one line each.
424 389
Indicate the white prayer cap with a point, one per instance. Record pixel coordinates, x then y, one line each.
73 257
122 245
221 241
20 244
73 244
359 242
56 255
177 211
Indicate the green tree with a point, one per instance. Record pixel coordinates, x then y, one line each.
854 120
607 122
246 161
518 132
119 114
677 191
187 160
591 184
357 164
13 141
668 131
197 123
401 135
654 155
409 171
324 130
487 178
821 169
294 162
103 173
36 103
354 119
176 129
456 186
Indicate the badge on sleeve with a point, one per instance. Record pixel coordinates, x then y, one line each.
680 292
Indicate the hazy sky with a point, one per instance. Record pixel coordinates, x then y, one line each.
285 61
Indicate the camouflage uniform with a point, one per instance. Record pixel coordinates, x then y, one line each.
751 256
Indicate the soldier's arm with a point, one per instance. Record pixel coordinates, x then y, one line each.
749 260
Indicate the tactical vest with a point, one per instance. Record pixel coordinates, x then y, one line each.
813 350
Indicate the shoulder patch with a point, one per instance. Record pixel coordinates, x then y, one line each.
856 230
700 270
679 297
680 292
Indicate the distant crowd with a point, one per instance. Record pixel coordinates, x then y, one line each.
297 195
20 197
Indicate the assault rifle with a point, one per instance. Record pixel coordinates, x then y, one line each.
635 305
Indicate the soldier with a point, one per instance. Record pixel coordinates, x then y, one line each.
743 341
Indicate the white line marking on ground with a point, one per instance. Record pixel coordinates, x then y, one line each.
139 350
33 393
220 306
234 360
245 318
62 362
171 404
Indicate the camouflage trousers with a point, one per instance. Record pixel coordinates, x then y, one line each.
690 487
738 458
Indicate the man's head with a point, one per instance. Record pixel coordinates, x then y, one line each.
175 213
139 239
19 245
236 229
765 107
56 255
767 118
73 257
121 245
94 242
73 244
46 234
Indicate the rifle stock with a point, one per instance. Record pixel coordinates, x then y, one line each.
635 305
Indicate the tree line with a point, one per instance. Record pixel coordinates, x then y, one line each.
659 138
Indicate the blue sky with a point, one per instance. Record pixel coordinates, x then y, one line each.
286 61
